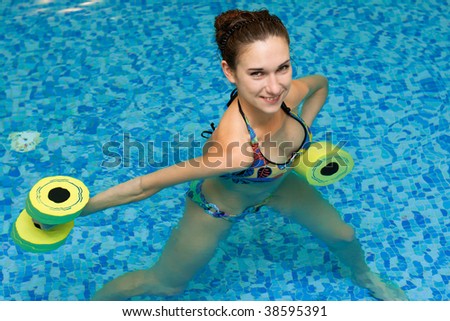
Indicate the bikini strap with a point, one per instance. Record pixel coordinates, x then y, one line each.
207 133
300 120
285 108
252 133
233 96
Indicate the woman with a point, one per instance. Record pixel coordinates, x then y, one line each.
246 163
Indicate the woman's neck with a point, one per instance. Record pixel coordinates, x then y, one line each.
265 122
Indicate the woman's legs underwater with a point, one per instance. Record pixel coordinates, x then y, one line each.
194 241
189 248
300 201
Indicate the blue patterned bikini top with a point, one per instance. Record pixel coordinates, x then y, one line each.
262 169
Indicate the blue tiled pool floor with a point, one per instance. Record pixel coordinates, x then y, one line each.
85 74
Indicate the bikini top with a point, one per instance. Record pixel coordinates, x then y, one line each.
262 169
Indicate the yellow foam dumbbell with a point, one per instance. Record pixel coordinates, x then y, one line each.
55 200
324 163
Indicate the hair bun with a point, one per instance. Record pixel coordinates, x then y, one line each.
229 19
237 28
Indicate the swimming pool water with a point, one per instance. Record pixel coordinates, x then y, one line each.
85 74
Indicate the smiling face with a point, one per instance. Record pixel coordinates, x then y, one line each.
263 74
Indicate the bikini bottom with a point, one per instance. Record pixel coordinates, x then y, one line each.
196 195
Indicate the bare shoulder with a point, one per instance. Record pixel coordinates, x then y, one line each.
302 87
298 91
231 140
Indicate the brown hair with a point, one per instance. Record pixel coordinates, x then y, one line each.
236 29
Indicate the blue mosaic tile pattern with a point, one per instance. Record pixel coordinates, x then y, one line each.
87 75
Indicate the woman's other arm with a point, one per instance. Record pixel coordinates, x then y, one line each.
313 91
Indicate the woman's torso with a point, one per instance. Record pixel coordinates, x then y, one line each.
277 147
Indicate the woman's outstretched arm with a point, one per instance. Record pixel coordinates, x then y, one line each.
211 163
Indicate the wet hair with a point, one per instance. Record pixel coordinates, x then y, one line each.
237 28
